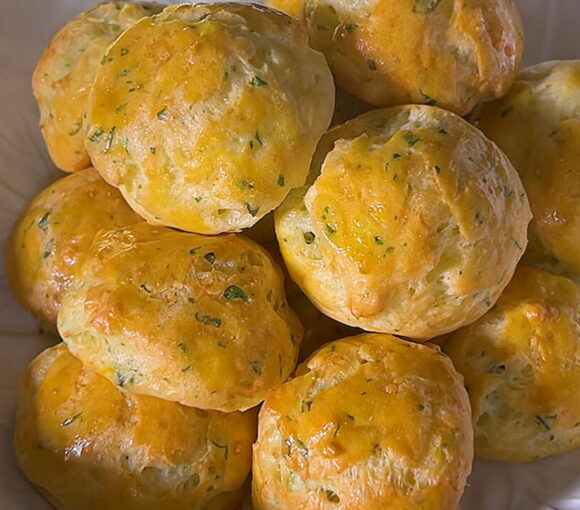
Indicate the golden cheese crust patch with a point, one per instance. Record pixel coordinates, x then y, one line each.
86 444
188 318
413 225
66 71
521 363
206 115
53 235
368 422
440 52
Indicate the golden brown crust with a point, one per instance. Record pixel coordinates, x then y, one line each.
446 52
368 422
86 444
54 233
521 363
206 115
413 225
538 126
66 71
193 319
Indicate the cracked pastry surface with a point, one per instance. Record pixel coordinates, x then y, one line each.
368 422
413 224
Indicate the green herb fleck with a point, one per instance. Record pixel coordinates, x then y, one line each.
193 251
162 114
152 150
411 138
96 136
182 347
70 420
48 249
545 421
235 292
258 138
379 240
442 131
75 130
281 181
257 366
224 447
309 237
478 218
124 51
396 155
144 288
497 369
425 6
246 184
306 405
109 140
43 222
437 169
372 64
207 320
332 496
420 406
390 249
256 81
349 27
330 229
210 257
252 208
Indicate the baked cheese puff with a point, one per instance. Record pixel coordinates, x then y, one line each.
369 422
206 115
53 235
193 319
440 52
538 126
521 363
413 226
66 71
88 445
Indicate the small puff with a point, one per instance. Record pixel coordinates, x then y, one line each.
207 115
413 225
86 444
538 126
369 422
53 234
192 319
439 52
521 363
66 71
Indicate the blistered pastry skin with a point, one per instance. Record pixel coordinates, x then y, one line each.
413 225
65 73
85 444
521 364
449 53
368 422
206 115
188 318
537 124
53 234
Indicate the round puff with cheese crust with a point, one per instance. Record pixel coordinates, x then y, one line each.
521 364
413 226
66 71
388 52
54 233
538 126
206 115
86 444
192 319
369 422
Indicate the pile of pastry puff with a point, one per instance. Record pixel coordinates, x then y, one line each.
213 233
